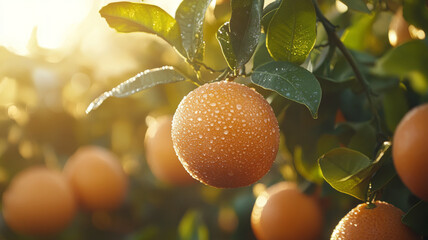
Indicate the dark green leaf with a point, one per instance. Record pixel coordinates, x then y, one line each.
347 171
223 37
190 16
261 55
141 81
271 6
364 139
245 28
266 19
358 5
395 106
416 13
291 33
268 13
404 59
417 218
140 17
291 81
191 227
383 176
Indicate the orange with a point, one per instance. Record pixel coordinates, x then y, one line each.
284 212
38 201
160 154
410 151
225 134
382 222
97 178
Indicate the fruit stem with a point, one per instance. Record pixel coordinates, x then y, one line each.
335 40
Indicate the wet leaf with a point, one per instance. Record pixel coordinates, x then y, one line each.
291 33
358 5
290 81
245 28
140 17
141 81
190 16
223 37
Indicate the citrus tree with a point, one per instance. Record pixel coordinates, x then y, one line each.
312 65
320 106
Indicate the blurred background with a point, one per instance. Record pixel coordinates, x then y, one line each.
56 56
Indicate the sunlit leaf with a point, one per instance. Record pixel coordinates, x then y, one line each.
355 37
245 28
190 16
223 37
140 17
308 169
291 33
417 218
351 172
347 171
141 81
358 5
290 81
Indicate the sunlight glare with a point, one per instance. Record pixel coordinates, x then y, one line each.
55 20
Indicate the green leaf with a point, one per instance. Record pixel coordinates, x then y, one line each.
290 81
408 57
141 81
416 13
261 55
191 227
355 37
308 169
364 139
245 28
395 106
140 17
417 218
358 5
223 37
347 171
190 16
291 33
268 13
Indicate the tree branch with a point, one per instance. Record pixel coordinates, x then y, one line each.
335 40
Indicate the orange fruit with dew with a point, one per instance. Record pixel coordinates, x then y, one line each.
97 178
160 154
225 134
38 201
410 151
383 221
284 212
